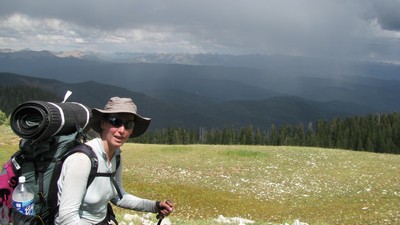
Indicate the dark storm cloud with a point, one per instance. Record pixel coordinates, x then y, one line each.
352 28
388 14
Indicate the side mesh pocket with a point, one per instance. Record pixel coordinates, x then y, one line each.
21 219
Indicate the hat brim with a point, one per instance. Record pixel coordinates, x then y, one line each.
141 123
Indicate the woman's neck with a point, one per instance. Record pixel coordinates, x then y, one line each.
108 150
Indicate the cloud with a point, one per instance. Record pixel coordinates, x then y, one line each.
354 28
387 14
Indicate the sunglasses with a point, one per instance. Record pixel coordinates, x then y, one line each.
116 122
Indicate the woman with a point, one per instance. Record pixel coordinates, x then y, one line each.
79 204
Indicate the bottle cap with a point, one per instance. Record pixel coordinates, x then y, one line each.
21 179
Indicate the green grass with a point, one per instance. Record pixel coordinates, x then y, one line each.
267 184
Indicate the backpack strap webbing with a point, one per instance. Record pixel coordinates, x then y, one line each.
111 175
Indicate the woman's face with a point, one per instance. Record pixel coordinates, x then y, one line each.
116 129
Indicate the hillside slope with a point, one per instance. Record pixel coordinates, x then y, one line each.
177 108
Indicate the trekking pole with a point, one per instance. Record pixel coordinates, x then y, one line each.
159 216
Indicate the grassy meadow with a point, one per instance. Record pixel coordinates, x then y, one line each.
267 184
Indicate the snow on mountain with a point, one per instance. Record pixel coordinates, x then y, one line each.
75 53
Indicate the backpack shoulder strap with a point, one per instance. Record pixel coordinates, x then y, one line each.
52 199
87 150
118 158
93 171
111 175
82 148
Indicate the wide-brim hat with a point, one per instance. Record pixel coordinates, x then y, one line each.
120 105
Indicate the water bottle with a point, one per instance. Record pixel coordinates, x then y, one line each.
23 198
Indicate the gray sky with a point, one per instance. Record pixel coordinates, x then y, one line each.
357 29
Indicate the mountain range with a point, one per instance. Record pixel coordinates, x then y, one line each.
212 91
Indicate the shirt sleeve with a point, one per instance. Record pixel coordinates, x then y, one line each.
130 201
72 188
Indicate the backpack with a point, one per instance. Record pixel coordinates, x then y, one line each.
50 132
41 164
35 161
8 181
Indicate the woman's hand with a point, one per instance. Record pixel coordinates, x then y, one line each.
164 208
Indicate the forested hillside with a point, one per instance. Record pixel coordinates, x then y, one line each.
11 96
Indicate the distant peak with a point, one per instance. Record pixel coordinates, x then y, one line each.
74 53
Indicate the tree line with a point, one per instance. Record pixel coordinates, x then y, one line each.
373 133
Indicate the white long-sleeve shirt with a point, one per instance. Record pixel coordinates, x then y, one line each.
81 205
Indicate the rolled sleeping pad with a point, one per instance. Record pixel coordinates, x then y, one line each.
39 120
